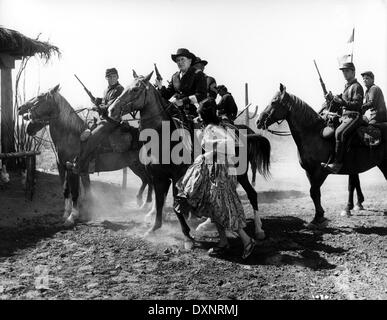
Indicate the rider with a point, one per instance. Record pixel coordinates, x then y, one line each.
211 82
104 127
350 102
188 85
227 108
374 99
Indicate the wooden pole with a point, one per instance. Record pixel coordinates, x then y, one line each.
246 103
124 178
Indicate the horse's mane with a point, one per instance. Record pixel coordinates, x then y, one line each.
67 115
305 113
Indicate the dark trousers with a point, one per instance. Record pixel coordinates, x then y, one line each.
103 129
350 122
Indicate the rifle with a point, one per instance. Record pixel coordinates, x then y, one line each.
321 82
87 91
158 75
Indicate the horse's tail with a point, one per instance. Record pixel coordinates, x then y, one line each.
258 153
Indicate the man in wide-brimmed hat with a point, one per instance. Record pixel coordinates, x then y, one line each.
350 102
374 99
91 139
211 83
188 85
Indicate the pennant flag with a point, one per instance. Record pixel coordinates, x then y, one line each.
348 50
352 37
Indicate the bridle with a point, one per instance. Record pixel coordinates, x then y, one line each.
288 107
32 116
129 103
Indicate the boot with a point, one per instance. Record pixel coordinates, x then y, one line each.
336 166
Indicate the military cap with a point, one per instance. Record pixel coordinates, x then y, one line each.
111 71
347 65
198 60
183 52
368 73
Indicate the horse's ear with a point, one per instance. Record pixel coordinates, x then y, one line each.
135 74
282 88
55 89
147 78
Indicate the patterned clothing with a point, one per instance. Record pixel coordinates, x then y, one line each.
208 186
374 101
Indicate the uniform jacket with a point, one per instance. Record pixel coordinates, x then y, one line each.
227 106
353 96
211 87
193 82
374 101
109 95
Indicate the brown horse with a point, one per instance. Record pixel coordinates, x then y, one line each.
66 126
141 95
305 125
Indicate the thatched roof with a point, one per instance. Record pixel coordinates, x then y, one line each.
18 45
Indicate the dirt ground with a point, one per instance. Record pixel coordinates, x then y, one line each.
107 256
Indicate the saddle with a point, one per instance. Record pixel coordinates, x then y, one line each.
369 135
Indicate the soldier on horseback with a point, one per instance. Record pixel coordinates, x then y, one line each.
227 108
212 92
374 100
188 85
350 104
91 139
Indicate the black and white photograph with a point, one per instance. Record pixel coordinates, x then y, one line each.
205 152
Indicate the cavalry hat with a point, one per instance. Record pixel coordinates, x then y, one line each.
183 52
368 73
111 71
198 60
347 65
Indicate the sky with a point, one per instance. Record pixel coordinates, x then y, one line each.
262 42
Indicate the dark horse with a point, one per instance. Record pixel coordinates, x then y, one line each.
66 126
305 125
141 95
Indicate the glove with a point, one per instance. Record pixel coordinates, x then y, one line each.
329 96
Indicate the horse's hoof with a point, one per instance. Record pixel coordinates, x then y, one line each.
189 244
69 222
320 223
358 207
206 226
260 235
346 213
66 214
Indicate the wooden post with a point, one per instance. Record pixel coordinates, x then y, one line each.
7 63
124 178
246 103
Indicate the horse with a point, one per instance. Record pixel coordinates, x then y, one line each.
66 127
305 125
141 95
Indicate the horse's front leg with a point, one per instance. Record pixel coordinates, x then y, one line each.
73 181
253 198
360 196
316 179
181 207
161 189
148 201
351 188
140 192
66 191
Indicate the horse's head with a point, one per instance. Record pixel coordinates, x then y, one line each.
134 97
276 111
41 108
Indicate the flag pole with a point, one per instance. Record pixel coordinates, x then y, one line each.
353 42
